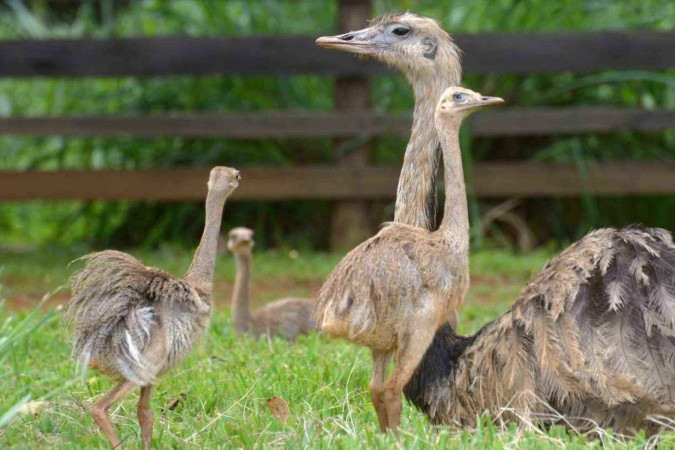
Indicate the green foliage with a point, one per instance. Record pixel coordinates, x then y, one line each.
305 223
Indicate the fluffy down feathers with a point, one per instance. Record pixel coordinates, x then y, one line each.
392 275
131 321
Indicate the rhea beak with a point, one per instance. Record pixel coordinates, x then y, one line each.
488 101
478 104
362 42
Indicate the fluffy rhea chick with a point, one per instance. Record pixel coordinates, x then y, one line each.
287 318
392 292
134 322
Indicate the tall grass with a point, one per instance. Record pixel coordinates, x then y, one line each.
304 223
14 331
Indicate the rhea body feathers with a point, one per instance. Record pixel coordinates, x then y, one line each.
589 342
402 271
133 322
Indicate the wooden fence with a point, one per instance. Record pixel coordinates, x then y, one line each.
350 180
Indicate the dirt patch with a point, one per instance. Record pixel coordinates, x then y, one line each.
27 301
262 292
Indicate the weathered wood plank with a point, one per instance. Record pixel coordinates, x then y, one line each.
484 53
299 125
491 180
570 120
567 52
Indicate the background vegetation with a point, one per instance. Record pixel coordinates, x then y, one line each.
304 223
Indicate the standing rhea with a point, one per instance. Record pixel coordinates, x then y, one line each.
133 322
287 317
392 292
419 48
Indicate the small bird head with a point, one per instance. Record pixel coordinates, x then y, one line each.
410 42
240 240
458 102
224 179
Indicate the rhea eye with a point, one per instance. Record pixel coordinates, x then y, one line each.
401 31
458 97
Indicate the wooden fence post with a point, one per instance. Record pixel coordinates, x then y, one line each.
350 219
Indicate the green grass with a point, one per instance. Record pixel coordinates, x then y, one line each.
227 379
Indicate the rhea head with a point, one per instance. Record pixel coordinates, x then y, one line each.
240 240
223 180
457 102
412 43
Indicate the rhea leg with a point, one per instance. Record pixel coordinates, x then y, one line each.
380 362
100 409
411 348
145 419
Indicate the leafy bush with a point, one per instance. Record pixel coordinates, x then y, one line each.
304 223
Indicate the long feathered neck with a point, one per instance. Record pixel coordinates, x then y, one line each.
200 273
241 306
455 224
416 193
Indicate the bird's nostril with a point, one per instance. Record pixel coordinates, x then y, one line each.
347 37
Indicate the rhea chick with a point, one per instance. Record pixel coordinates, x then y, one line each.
133 322
392 292
287 318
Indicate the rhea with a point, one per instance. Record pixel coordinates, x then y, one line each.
133 322
287 318
426 54
393 291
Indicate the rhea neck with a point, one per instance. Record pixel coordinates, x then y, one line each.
416 193
241 307
200 273
437 368
455 224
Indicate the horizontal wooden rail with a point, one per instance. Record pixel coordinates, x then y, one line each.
484 53
490 180
290 125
